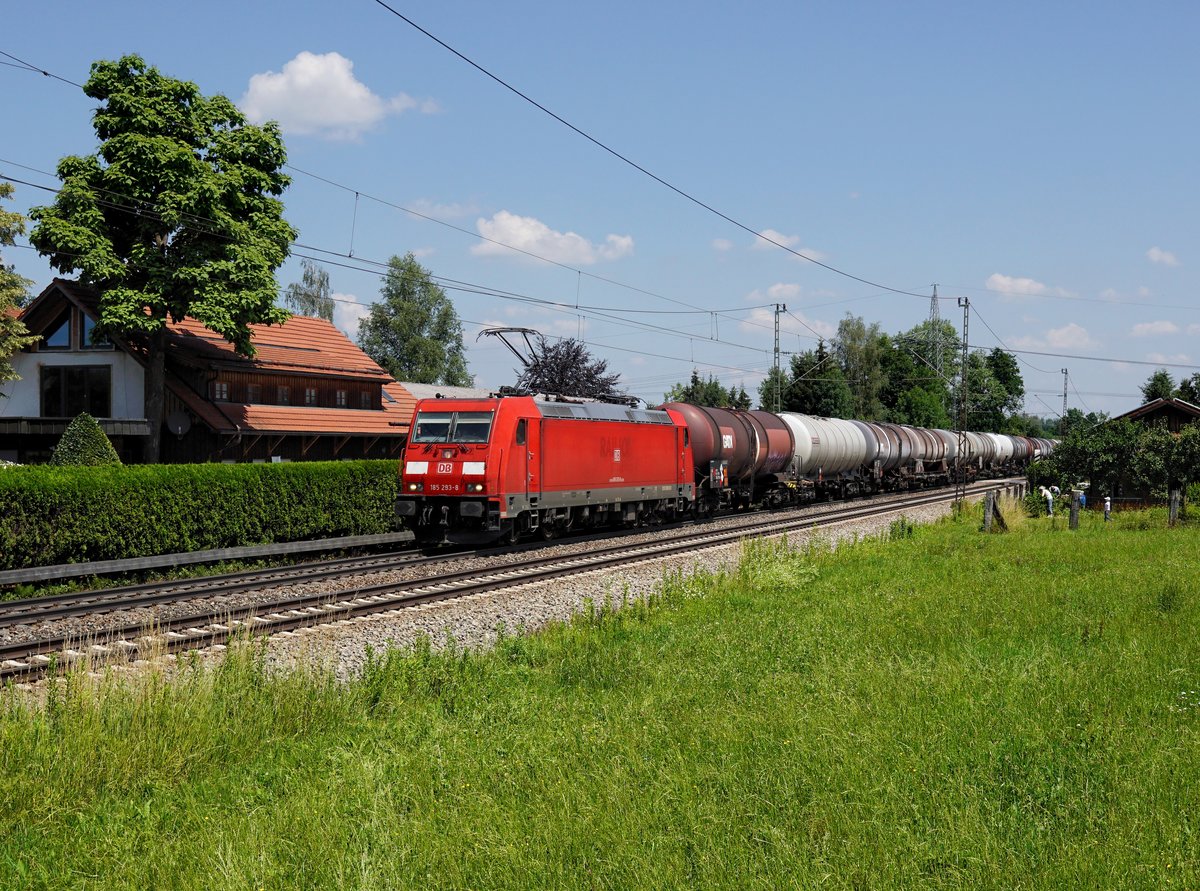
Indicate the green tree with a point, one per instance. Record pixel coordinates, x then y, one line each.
774 385
414 331
1189 389
1100 454
818 386
1158 386
311 296
566 368
1076 418
176 214
859 349
708 392
14 292
84 442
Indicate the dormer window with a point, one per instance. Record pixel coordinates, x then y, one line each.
220 391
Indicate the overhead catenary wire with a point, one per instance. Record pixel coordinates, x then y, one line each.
677 190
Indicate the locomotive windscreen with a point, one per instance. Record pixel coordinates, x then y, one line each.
452 426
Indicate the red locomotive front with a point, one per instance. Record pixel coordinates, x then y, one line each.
485 469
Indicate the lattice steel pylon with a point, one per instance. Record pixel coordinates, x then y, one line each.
960 464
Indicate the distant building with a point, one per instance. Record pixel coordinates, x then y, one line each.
308 394
1175 412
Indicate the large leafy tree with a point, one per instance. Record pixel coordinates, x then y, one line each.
14 292
311 296
1158 386
567 368
176 214
708 392
414 332
772 389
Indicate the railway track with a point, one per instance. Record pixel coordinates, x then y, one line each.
217 623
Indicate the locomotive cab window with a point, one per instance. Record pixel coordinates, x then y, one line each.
432 426
520 437
472 426
456 426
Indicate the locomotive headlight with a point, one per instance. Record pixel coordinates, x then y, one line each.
415 487
479 487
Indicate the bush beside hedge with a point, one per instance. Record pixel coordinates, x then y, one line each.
54 515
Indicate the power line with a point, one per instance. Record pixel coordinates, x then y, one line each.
638 167
27 66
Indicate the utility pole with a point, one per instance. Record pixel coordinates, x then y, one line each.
935 333
1065 373
779 309
960 475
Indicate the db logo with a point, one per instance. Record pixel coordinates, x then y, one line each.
445 467
616 454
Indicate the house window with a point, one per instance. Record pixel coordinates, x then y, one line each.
68 390
365 400
90 338
254 392
341 398
220 391
310 395
283 396
58 335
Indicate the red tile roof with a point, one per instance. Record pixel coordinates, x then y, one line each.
301 419
300 345
12 311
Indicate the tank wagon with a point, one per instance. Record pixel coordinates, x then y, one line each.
507 467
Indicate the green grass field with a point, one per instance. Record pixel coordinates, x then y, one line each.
943 709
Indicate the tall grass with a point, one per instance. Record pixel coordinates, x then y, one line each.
936 708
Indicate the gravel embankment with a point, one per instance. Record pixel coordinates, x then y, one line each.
473 621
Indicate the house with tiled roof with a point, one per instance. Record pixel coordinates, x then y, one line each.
308 393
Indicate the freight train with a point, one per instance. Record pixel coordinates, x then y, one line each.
503 468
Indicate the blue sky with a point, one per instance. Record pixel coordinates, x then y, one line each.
1040 159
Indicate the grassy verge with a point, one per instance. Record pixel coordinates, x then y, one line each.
943 709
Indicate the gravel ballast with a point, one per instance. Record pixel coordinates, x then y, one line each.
473 621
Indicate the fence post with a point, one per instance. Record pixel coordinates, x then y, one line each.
988 501
1173 510
1074 510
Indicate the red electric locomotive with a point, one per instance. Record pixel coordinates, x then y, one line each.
500 468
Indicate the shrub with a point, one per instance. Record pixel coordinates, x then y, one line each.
84 444
71 514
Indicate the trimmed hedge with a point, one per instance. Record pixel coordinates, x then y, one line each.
54 515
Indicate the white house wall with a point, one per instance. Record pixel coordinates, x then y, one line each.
24 398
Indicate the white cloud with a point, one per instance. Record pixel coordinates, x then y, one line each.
1152 329
1016 287
347 313
722 244
532 235
319 95
792 322
1193 330
766 236
1171 359
1070 336
1158 255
